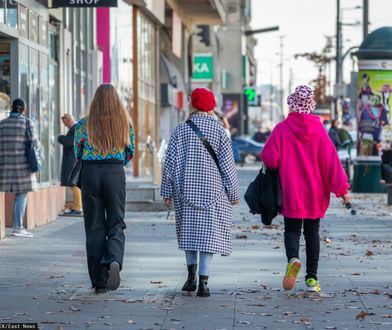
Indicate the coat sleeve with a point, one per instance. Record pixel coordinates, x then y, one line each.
167 185
34 136
270 155
130 150
338 182
68 139
79 140
228 170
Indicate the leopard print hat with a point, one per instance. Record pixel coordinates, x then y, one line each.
302 100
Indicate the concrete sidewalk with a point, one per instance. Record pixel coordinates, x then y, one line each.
45 279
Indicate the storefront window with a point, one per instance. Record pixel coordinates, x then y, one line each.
54 114
11 13
24 73
5 77
44 116
147 121
34 89
54 120
121 52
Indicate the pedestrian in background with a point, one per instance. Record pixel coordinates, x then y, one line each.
202 192
310 170
68 163
104 140
15 173
334 134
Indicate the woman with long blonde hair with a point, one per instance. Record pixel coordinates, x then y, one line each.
104 140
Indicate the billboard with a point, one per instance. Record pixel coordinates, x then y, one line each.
374 104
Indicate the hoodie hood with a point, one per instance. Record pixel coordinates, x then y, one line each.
304 126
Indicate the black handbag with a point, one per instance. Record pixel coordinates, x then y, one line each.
75 177
32 152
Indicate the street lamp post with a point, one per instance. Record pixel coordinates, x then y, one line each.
365 18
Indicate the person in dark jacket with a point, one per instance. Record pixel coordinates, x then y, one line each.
16 175
68 163
334 134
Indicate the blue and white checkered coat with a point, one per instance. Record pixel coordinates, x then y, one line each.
202 196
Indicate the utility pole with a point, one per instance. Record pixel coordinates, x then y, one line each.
281 77
339 75
365 18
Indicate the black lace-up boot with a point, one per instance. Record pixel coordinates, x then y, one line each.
190 284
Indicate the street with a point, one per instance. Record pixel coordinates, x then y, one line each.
45 280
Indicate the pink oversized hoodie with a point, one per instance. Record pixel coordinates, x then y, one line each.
308 164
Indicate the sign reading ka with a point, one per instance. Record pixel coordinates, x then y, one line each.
202 67
83 3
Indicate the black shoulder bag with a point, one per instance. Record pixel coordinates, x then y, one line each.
33 154
205 142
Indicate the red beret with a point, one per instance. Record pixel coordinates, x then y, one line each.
203 99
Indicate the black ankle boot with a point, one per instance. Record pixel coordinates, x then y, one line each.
203 290
190 284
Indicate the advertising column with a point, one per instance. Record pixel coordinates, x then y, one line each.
374 104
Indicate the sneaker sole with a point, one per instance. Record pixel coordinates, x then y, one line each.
22 235
289 280
313 289
114 276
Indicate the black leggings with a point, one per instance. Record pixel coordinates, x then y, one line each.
292 234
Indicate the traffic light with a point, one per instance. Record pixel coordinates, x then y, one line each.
204 34
250 93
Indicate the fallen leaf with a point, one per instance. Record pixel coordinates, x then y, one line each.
304 321
243 322
330 327
55 276
239 236
131 322
156 282
327 241
387 316
74 309
361 315
35 297
356 273
254 227
369 253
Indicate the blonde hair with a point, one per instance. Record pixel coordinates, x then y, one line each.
108 122
192 110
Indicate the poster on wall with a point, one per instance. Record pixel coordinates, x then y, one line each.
374 105
231 109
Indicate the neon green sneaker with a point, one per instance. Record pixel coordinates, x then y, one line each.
313 285
292 271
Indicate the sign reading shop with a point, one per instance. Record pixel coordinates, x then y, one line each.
83 3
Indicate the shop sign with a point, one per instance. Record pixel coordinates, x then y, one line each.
83 3
202 67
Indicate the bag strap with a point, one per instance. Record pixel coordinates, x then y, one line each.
204 141
28 130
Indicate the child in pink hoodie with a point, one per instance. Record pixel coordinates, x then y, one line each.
310 170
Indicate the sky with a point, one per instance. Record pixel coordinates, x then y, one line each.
304 25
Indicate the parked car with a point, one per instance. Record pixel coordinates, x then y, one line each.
244 146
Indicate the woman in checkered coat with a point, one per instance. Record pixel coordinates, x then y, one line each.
15 173
203 195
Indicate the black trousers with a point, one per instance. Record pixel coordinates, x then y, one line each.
103 195
292 234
